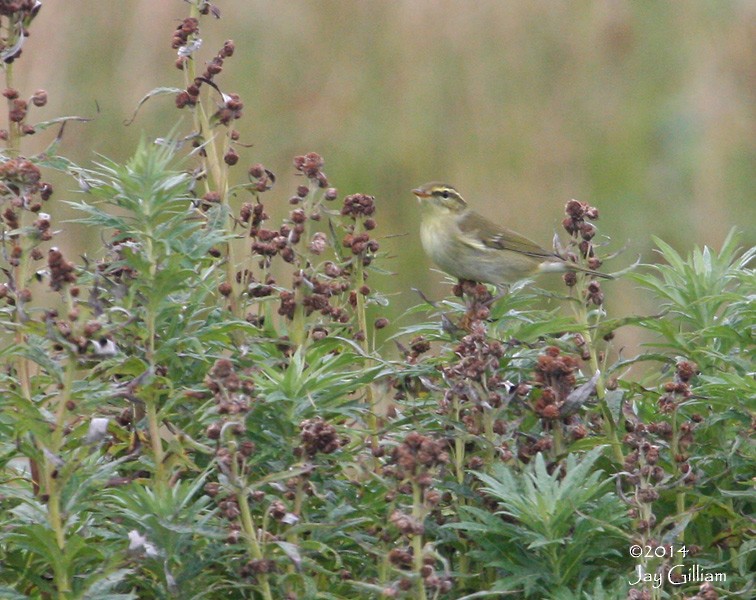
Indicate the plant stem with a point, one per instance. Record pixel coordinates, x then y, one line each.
459 468
44 470
253 546
360 309
675 447
156 442
62 584
54 483
581 316
418 513
217 174
559 448
298 331
151 397
292 536
13 127
490 436
459 444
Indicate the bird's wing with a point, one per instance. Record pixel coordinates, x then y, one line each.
482 233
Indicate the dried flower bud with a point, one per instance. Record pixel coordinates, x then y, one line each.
569 225
257 170
214 431
231 157
587 231
318 243
39 98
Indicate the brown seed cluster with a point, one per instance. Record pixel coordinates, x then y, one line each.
414 463
415 458
234 395
21 189
318 437
252 215
85 339
26 8
17 112
256 567
669 402
593 293
20 14
262 179
478 300
406 524
20 177
359 210
403 385
230 109
418 346
269 243
327 287
478 357
678 390
311 166
61 270
576 223
229 509
474 380
359 205
474 386
655 445
324 297
555 374
402 559
186 29
529 447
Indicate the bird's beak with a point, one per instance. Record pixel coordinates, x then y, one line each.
421 193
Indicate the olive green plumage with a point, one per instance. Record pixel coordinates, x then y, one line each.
468 246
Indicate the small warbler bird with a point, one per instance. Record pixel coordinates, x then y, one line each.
468 246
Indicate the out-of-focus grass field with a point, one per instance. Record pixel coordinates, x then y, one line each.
644 109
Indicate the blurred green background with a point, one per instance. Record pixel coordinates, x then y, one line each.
644 109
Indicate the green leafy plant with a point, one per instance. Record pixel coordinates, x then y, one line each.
200 406
551 532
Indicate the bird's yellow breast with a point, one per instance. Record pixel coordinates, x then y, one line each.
435 232
441 239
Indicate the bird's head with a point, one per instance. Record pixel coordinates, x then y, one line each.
440 196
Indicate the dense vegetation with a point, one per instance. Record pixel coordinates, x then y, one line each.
201 409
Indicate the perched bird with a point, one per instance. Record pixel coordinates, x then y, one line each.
469 246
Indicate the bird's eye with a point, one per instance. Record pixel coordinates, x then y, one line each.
445 194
